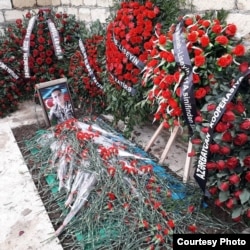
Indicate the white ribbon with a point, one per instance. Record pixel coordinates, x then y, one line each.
10 71
26 47
55 39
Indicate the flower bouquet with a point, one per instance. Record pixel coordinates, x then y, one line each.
45 46
109 188
192 68
11 84
87 66
130 36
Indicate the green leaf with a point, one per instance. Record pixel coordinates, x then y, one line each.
236 212
244 196
223 196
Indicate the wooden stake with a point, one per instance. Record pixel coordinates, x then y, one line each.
155 135
169 144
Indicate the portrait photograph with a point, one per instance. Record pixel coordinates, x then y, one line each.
56 101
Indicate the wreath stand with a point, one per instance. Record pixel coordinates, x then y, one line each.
171 139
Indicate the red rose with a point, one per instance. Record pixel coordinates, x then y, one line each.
243 67
248 213
228 116
211 107
198 119
240 107
234 179
214 148
245 125
237 194
247 176
196 141
225 150
211 166
213 190
221 165
230 203
204 130
237 219
221 127
232 162
227 137
246 161
218 203
224 186
223 40
240 139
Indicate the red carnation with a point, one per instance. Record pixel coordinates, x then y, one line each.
231 29
239 50
204 40
225 60
193 36
199 60
200 93
223 40
243 67
192 228
162 39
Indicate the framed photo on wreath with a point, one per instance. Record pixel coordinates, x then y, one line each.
55 100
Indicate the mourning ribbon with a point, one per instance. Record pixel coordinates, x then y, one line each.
26 46
10 71
200 173
86 61
129 89
187 92
139 64
55 39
